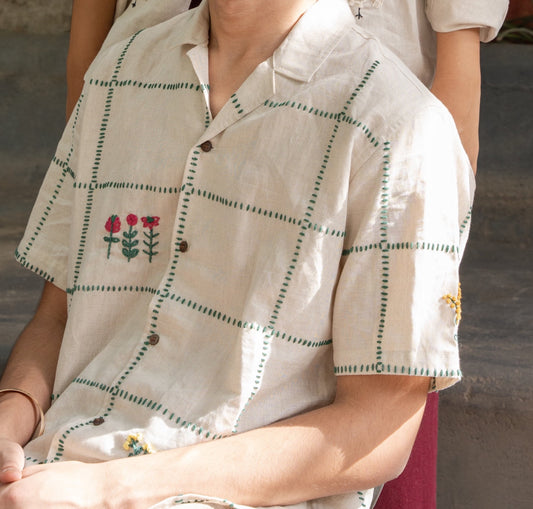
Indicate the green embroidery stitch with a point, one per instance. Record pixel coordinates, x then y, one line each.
112 226
465 222
150 222
397 246
236 104
129 242
111 288
394 369
126 185
22 260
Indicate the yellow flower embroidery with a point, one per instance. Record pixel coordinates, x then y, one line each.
135 446
455 303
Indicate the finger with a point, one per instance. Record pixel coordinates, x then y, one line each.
10 474
11 463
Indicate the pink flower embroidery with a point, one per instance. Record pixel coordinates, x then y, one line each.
113 224
132 219
150 221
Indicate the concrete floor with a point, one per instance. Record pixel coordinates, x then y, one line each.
486 433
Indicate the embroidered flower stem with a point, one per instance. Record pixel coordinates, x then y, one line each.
129 242
112 226
150 222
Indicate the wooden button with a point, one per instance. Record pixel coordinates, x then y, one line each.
153 339
98 421
184 246
206 146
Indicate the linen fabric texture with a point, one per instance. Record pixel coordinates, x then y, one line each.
220 272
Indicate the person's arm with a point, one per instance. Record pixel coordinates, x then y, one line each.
31 367
457 84
362 439
91 21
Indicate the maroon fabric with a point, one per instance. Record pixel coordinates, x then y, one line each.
194 3
416 488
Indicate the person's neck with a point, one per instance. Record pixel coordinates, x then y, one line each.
244 33
252 28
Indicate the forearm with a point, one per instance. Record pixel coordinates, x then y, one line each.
457 84
350 445
31 367
91 21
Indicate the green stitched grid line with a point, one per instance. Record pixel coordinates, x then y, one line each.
127 185
370 71
306 223
235 101
61 441
22 260
361 497
182 85
384 223
87 215
243 324
465 222
398 246
392 369
338 117
150 404
207 118
254 209
303 108
34 461
46 213
111 288
64 165
74 124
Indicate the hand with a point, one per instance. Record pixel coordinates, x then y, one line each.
11 461
66 485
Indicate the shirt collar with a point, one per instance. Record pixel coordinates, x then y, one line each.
312 39
306 46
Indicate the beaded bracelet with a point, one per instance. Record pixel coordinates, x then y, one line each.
38 431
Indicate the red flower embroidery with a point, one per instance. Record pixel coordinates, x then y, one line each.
132 219
113 224
150 221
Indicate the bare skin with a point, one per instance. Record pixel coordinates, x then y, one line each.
31 367
457 84
91 21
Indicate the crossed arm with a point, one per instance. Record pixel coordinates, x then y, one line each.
360 440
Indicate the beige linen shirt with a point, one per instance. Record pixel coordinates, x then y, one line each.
221 271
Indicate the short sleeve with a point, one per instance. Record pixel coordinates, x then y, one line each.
44 248
450 15
397 303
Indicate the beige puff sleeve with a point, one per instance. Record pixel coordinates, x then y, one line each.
450 15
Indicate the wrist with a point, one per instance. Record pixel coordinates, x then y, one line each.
18 417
